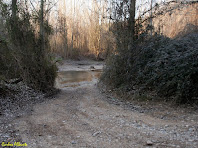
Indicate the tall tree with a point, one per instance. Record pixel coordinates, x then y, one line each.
151 15
14 9
132 22
65 29
14 20
42 25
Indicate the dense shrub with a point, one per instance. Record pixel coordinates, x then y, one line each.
22 55
167 66
35 66
8 65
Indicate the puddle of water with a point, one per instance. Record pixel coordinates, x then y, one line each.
76 78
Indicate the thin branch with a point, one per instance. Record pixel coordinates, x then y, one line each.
34 7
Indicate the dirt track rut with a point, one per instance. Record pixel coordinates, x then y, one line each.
80 116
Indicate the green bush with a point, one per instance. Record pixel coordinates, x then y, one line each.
8 66
167 66
35 65
22 54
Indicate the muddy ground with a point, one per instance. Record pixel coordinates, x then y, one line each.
84 115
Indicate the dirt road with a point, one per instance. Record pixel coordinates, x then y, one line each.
81 116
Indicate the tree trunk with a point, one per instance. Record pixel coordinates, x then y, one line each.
42 25
65 31
14 9
151 19
14 29
132 23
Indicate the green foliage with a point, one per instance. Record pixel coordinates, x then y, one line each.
168 67
22 55
143 97
8 66
115 71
